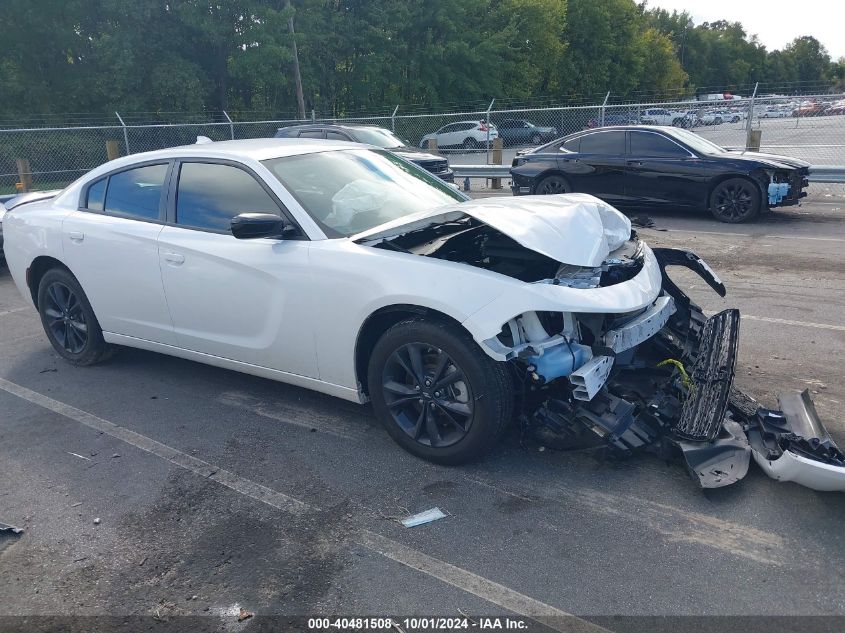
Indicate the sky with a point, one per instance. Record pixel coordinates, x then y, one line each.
775 22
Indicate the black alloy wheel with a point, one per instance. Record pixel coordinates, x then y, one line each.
426 394
735 200
69 320
438 395
66 319
552 185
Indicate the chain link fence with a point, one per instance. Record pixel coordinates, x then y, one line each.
810 127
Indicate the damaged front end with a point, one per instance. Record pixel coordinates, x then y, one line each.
661 380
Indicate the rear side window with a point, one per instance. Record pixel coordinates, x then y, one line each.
572 145
611 143
136 192
210 195
654 145
96 195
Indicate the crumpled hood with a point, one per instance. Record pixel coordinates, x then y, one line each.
572 228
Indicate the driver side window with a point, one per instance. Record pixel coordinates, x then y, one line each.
209 195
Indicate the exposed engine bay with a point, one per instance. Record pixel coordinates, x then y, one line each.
658 379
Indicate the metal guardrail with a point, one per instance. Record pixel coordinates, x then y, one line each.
827 173
818 173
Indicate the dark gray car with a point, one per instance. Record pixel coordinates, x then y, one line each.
372 135
522 132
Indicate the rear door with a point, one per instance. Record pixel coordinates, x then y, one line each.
598 166
110 245
245 300
662 173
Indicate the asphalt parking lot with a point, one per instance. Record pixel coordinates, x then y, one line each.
160 487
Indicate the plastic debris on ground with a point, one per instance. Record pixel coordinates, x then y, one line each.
421 518
10 528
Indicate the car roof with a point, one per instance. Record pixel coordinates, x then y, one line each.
255 148
341 126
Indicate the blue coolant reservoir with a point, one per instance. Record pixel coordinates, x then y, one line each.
777 192
560 360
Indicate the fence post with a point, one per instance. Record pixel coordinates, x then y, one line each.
490 107
231 125
125 133
750 121
112 150
603 106
432 145
497 160
393 119
24 174
313 118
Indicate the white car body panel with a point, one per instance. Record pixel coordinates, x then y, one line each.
106 253
246 300
807 472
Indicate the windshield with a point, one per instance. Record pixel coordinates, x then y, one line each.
378 137
696 142
351 191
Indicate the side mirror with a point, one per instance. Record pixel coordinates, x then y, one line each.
249 226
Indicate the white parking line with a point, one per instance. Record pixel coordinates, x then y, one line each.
820 326
463 579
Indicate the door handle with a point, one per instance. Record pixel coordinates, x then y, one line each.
635 163
76 236
174 258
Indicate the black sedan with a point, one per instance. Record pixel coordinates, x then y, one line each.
639 167
372 135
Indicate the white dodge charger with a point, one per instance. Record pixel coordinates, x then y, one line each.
343 268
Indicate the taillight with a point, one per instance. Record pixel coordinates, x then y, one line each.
482 127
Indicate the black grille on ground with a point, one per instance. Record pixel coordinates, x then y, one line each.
712 376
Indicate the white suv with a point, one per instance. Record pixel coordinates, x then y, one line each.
466 134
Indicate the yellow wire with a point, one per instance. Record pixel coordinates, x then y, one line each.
685 379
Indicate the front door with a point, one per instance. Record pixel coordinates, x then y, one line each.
661 173
245 300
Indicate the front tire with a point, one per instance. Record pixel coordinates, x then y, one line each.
735 200
68 319
439 396
551 185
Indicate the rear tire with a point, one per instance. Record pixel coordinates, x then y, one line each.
536 139
439 396
68 319
551 185
735 200
470 143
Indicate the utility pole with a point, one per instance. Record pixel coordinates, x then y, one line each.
300 100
